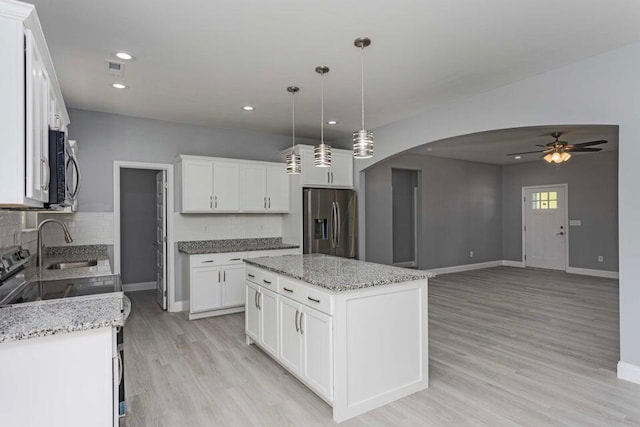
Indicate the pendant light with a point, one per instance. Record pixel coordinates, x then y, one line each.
293 159
322 152
362 139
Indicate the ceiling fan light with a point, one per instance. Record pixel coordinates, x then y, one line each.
565 156
363 144
548 158
556 157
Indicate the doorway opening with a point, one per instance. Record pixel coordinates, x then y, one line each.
545 236
406 216
143 246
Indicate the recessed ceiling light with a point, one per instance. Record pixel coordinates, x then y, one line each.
517 157
124 55
119 86
332 122
248 108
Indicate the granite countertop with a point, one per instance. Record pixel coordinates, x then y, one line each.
60 316
337 274
53 255
198 247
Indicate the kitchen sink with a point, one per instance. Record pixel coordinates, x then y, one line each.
77 264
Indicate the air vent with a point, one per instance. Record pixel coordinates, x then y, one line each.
115 68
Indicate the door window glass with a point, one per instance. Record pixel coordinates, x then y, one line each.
545 200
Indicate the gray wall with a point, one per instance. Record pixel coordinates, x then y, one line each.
104 137
138 225
404 183
461 211
593 199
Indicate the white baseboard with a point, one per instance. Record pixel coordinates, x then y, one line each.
178 306
144 286
629 372
596 273
466 267
507 263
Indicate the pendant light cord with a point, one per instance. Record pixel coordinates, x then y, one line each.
322 108
362 83
293 114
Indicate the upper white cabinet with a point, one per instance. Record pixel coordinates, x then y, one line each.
214 185
31 104
339 175
266 188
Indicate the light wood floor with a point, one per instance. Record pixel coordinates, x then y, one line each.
507 347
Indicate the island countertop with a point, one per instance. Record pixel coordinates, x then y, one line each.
335 273
233 245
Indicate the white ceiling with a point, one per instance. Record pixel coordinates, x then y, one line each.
493 147
199 61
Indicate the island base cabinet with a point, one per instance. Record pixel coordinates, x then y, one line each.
316 330
268 308
290 341
59 380
252 314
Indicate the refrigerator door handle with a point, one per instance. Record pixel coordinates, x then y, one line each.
333 225
338 223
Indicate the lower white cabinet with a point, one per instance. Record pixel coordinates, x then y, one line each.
206 290
306 345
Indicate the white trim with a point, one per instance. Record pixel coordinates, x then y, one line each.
180 306
212 313
406 264
466 267
508 263
596 273
142 286
566 220
629 372
170 279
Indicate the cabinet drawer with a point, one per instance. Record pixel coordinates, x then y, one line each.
307 295
229 258
261 277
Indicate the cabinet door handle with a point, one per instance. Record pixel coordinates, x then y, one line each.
265 203
328 177
215 202
313 299
255 298
297 328
301 330
332 177
218 276
269 202
288 290
209 260
210 202
251 275
266 281
224 275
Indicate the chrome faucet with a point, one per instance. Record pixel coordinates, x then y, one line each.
67 237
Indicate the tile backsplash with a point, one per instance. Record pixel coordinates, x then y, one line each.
86 228
12 233
189 227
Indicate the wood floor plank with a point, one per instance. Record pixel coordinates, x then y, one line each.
508 347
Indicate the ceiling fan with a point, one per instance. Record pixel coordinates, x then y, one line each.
560 151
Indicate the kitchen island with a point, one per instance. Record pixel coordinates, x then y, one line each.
354 332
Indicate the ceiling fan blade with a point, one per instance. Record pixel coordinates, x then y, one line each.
590 143
526 152
583 150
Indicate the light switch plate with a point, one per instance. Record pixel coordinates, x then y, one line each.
575 222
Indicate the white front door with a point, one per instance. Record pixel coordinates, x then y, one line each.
161 240
545 227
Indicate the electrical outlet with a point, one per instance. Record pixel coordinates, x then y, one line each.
600 258
470 254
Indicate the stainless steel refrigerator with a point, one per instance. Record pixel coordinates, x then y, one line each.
330 222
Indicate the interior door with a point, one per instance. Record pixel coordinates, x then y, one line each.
545 227
161 239
345 222
319 217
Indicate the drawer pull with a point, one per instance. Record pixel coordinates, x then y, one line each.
235 259
266 281
288 290
204 262
313 299
251 275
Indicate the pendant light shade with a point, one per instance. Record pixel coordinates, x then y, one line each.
557 157
293 159
362 139
322 152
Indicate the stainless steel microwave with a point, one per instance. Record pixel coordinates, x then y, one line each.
64 182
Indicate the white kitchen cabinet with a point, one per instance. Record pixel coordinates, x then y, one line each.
206 289
252 313
339 175
316 331
269 321
277 189
290 339
214 185
197 186
233 285
30 93
226 187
